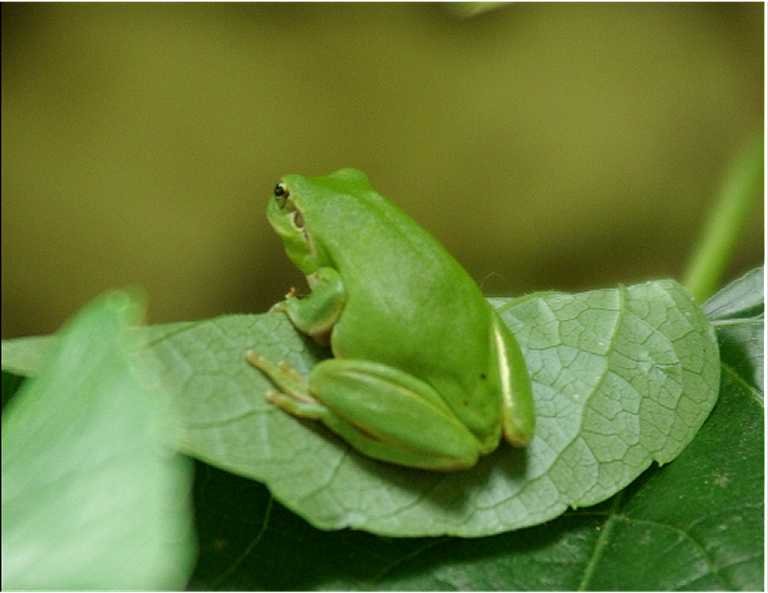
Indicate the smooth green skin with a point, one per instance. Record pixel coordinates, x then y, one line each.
424 373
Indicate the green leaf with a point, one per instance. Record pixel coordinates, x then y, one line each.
91 497
742 348
694 524
621 377
742 298
737 312
24 356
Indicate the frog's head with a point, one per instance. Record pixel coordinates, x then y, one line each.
285 213
294 208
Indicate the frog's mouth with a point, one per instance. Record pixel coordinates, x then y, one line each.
294 215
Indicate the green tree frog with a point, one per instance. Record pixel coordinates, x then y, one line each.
424 372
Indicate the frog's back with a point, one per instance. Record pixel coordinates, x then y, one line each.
410 304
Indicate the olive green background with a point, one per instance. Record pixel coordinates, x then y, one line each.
547 145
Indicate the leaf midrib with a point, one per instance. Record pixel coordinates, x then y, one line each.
600 544
749 388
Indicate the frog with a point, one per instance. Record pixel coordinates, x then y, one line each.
422 372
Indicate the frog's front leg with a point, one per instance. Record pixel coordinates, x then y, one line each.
316 313
382 412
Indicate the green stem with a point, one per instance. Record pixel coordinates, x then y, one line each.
743 183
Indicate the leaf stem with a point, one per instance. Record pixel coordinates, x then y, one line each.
734 205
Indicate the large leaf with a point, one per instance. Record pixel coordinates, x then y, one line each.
621 378
91 499
694 524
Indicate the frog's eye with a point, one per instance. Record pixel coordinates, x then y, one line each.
281 194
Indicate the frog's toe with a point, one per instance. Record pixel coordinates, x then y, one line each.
276 398
255 359
303 407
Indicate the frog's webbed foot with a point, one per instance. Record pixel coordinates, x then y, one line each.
294 397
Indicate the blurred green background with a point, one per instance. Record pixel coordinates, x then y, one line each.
562 146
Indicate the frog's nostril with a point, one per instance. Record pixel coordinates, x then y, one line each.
279 190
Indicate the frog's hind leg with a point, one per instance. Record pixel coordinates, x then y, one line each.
371 446
294 397
391 415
